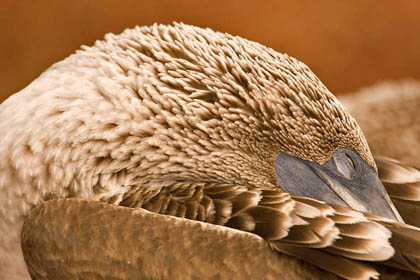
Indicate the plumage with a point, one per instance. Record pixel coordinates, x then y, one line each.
230 254
186 122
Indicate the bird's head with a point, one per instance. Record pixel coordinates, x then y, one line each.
242 113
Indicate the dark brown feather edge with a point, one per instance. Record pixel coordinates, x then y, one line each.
309 223
303 222
402 182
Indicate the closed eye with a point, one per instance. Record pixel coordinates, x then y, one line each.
345 166
350 160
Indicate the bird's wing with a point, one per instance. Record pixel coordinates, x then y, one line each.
324 235
402 182
76 239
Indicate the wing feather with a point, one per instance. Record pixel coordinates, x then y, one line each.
332 237
341 266
304 223
402 182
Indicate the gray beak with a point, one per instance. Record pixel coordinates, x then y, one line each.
346 179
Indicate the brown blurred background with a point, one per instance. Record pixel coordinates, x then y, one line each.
348 44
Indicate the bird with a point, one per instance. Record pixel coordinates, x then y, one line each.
180 126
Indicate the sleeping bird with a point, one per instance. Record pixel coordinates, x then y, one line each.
182 127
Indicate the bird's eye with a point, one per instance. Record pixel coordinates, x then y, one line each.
345 165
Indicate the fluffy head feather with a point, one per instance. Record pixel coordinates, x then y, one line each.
170 102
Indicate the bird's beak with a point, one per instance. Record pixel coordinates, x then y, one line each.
346 179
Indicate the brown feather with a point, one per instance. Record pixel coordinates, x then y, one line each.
339 230
134 241
341 266
122 227
402 182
